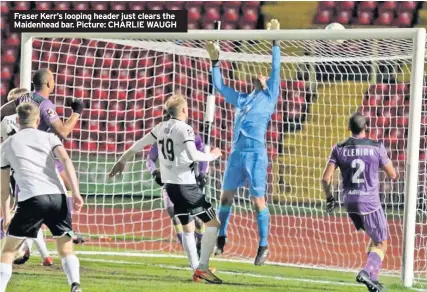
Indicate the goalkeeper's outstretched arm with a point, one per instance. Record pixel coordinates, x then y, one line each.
273 82
230 95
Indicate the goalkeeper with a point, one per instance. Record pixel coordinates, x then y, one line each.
153 155
248 158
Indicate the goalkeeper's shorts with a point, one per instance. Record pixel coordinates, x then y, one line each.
248 166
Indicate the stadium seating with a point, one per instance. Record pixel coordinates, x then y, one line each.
387 13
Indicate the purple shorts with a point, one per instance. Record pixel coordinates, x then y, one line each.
375 224
166 200
59 166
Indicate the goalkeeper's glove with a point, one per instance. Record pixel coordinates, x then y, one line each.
330 204
77 106
157 177
213 51
201 180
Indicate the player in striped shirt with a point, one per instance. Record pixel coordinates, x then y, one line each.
42 200
9 127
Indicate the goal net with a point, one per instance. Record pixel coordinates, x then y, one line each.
124 83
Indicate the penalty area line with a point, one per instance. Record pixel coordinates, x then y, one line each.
280 278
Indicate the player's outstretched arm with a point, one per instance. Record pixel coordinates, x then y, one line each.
119 166
64 129
5 197
197 155
391 171
70 172
230 95
273 82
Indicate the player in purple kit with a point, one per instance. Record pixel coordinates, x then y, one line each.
360 160
44 85
201 181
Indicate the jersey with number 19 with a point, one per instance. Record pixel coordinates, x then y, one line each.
176 166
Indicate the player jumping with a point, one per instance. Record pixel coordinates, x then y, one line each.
42 200
175 139
44 85
10 127
360 160
248 158
201 181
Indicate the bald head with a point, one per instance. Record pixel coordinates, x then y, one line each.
43 80
357 123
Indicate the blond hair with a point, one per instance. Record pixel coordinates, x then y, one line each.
16 93
175 104
28 113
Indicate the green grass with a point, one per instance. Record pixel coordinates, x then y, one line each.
128 274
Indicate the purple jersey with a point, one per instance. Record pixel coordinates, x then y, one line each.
47 109
154 154
360 160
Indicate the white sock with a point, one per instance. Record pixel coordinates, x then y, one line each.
208 245
5 274
71 267
28 243
41 245
189 243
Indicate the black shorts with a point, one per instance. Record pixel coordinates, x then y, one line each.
12 183
51 210
189 201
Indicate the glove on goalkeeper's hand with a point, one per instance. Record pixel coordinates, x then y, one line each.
213 50
201 180
274 24
330 204
77 106
157 177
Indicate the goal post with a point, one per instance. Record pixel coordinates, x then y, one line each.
342 68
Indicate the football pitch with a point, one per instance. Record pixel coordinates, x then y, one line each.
171 273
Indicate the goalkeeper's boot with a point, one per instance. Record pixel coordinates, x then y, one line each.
374 286
199 248
220 243
206 275
212 269
261 255
75 287
23 259
77 239
48 262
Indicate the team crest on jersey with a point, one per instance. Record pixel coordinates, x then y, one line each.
51 112
190 132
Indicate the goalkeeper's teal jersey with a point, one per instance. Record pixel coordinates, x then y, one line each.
253 110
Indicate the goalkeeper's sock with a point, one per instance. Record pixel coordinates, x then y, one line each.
224 214
373 264
71 266
41 245
208 245
28 244
5 274
189 243
178 231
263 221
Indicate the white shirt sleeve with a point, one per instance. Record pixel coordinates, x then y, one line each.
4 162
4 134
148 139
197 155
54 141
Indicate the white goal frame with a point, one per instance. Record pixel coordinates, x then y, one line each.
416 91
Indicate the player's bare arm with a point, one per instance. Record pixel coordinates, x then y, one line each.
5 197
64 129
326 185
65 159
391 171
